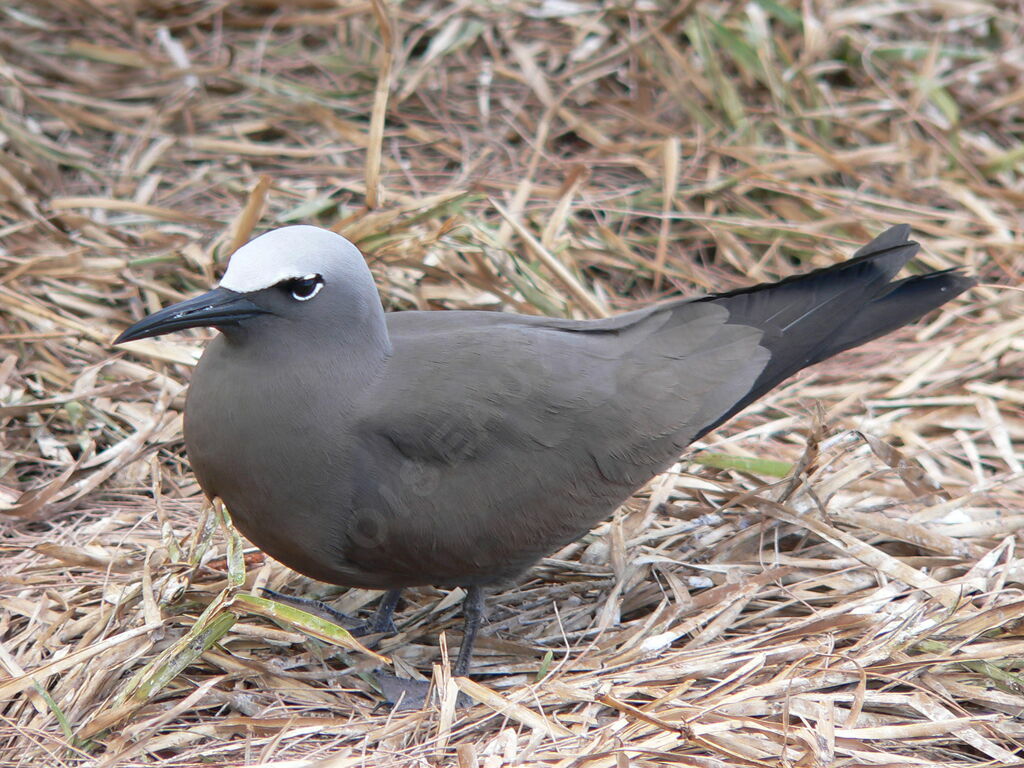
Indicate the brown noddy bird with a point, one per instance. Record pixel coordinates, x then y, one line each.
457 448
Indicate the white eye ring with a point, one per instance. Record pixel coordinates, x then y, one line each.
317 285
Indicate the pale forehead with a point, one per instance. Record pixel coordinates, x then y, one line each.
284 254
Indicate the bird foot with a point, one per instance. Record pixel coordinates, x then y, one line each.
355 627
401 694
375 626
404 695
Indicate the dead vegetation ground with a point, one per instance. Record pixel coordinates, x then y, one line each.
845 590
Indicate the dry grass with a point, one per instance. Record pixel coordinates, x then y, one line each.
556 157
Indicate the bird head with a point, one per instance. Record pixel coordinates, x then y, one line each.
298 273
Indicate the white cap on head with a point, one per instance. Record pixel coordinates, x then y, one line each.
285 254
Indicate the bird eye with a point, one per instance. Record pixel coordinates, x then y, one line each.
304 288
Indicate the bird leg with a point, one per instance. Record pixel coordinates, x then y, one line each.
384 617
472 613
406 694
382 621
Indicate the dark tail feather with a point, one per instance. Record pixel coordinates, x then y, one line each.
809 318
908 300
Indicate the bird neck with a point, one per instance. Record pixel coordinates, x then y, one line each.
275 363
366 329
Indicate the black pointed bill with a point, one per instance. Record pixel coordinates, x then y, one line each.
218 308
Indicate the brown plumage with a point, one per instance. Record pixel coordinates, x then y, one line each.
456 448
